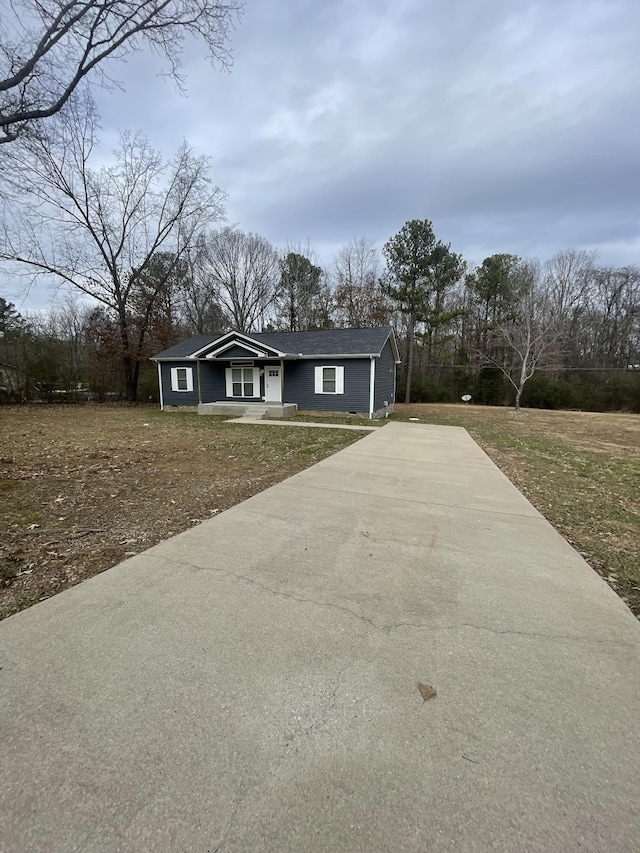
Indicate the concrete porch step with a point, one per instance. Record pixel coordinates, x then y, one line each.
251 410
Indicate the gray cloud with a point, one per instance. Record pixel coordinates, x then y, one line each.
513 126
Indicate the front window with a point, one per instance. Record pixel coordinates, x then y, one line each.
242 382
181 379
328 380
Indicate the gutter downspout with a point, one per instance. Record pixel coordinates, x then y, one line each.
372 386
395 376
160 385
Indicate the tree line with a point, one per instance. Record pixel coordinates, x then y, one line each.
143 240
559 333
141 255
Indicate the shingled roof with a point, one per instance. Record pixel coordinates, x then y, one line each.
329 342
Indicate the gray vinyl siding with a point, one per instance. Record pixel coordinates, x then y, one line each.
212 381
238 352
299 385
178 398
385 378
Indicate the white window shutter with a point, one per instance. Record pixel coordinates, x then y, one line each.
189 378
256 381
229 382
339 380
174 378
318 373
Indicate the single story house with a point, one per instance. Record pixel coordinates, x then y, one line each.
336 370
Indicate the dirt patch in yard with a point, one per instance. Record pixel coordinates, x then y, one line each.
84 487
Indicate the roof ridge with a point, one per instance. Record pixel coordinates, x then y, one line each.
365 340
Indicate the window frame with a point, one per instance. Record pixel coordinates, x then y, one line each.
320 380
255 381
330 381
175 379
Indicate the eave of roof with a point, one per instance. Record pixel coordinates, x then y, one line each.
264 340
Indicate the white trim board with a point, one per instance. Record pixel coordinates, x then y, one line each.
335 355
236 336
230 344
372 387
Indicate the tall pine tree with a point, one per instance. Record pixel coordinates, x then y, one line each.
419 269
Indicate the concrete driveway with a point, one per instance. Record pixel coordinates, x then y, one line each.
250 685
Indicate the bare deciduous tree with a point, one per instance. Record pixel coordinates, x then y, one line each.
359 299
612 322
201 314
47 47
67 322
243 274
98 231
569 277
529 336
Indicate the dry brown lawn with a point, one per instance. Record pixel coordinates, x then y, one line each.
83 487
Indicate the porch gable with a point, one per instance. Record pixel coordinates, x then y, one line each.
236 345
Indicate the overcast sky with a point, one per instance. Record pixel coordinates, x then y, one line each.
512 124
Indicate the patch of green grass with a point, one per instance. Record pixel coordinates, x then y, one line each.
580 470
320 418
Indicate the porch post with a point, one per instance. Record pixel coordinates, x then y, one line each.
281 381
199 385
372 387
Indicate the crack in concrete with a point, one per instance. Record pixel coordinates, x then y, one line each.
534 516
329 705
234 814
282 594
539 634
321 720
393 626
240 801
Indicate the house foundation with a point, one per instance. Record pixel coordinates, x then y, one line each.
252 410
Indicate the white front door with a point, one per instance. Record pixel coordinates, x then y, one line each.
272 385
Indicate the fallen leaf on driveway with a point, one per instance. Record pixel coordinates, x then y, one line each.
426 691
